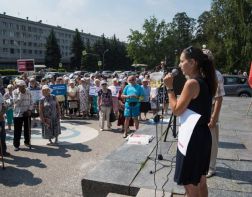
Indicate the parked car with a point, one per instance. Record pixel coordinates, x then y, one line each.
8 79
116 73
107 73
236 85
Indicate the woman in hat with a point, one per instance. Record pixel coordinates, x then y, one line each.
49 112
72 97
145 103
105 105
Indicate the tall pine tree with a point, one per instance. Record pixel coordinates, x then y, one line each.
76 49
52 54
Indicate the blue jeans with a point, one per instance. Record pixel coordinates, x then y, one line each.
3 136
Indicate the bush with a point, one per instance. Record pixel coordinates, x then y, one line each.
61 70
9 72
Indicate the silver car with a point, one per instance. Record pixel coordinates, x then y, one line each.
236 85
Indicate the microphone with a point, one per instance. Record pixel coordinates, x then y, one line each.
174 72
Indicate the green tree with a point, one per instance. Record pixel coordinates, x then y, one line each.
148 47
52 54
228 33
182 28
76 49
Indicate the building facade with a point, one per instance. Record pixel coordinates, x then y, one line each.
25 39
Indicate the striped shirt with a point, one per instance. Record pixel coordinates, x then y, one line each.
22 102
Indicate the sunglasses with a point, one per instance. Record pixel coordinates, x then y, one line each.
189 50
104 84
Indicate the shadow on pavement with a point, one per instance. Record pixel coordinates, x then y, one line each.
24 162
12 177
59 150
229 173
76 122
231 145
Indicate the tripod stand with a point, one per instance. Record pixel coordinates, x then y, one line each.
158 157
171 125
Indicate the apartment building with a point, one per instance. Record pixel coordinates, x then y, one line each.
26 39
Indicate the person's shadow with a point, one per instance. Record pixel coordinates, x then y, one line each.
12 177
59 150
244 176
24 162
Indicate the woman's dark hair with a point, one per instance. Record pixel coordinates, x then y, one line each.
205 65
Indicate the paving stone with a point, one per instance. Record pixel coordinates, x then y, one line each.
228 154
232 176
150 193
244 155
219 193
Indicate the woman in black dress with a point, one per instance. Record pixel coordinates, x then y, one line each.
192 167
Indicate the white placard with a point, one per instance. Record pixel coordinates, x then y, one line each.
92 91
140 139
188 121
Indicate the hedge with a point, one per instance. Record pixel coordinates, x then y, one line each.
9 72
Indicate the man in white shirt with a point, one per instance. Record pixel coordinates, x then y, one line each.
213 124
23 105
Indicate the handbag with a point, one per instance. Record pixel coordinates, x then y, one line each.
112 116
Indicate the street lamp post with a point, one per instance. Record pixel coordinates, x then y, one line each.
103 58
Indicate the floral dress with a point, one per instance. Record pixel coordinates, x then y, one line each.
51 128
84 97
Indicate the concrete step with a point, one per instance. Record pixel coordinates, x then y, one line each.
151 193
116 195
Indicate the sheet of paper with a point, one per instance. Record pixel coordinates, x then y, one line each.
188 120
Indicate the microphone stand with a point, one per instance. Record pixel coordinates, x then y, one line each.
156 120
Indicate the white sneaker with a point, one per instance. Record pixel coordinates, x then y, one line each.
210 174
101 129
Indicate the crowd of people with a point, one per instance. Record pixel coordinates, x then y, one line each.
84 98
126 99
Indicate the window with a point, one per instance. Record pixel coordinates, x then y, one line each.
12 51
24 50
11 34
5 50
231 80
30 51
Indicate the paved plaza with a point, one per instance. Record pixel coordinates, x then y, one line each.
83 149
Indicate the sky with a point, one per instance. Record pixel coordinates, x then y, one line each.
102 16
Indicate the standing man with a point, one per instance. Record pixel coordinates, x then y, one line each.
23 105
213 124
